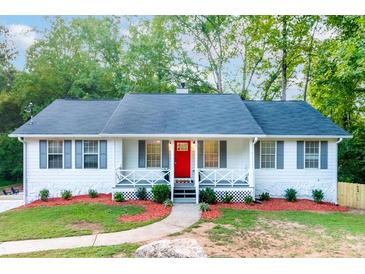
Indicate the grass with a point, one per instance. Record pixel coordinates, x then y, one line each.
51 222
123 250
5 183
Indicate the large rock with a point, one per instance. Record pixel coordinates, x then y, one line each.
179 248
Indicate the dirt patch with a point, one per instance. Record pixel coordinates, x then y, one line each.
82 225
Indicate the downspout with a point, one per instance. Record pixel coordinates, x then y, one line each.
338 141
25 179
252 168
255 140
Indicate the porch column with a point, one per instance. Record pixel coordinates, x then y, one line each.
251 175
196 172
172 165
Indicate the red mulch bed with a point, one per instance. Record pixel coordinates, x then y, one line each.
275 204
152 211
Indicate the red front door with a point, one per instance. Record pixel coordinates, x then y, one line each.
182 159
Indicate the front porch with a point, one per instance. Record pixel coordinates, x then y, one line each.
187 166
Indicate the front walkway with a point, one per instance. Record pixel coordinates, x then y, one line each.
182 216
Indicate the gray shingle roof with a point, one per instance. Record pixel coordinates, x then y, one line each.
179 114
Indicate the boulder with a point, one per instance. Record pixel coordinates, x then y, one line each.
179 248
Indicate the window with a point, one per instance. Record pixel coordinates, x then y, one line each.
55 154
211 154
91 149
311 154
153 153
268 154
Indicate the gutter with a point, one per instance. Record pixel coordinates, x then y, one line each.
25 177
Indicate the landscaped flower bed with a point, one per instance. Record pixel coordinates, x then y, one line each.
274 205
152 211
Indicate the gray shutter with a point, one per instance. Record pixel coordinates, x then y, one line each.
324 154
67 147
200 154
223 154
103 154
141 153
257 155
165 154
280 154
78 154
300 154
42 154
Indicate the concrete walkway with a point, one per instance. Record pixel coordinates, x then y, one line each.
7 204
182 216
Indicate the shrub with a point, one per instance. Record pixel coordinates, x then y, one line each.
265 196
228 198
118 197
66 194
291 194
141 193
204 207
160 193
93 193
168 203
248 200
207 196
317 195
44 194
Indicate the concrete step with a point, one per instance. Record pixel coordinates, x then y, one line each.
184 200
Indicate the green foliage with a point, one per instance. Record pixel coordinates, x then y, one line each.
227 198
207 196
290 194
44 194
11 163
265 196
168 203
141 193
317 195
93 193
160 193
118 197
66 194
204 207
248 200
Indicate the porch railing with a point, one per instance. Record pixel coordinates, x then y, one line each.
223 177
143 176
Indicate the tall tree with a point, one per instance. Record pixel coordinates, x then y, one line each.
7 55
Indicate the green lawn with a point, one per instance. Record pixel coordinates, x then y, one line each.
51 222
123 251
5 183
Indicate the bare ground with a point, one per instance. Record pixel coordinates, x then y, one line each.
83 225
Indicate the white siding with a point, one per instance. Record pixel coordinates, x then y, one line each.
276 181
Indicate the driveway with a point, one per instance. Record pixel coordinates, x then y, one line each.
11 201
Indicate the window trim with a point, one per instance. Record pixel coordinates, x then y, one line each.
219 155
146 143
83 154
62 154
319 154
275 155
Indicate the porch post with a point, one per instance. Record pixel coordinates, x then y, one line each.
172 165
251 175
196 172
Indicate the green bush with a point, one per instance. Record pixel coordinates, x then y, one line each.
44 194
204 207
248 200
118 197
265 196
160 193
207 196
168 203
291 194
317 195
227 198
66 194
93 193
141 193
11 158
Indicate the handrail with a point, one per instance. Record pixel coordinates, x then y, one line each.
217 176
134 176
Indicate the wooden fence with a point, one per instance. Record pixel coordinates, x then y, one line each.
351 195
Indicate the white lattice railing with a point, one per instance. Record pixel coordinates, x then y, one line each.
223 175
149 176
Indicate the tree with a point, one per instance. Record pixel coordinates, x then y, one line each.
7 55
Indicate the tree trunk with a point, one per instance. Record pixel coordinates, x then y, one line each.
284 65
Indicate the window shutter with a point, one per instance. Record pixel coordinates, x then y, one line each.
165 154
300 154
141 153
257 155
103 154
280 154
324 154
200 154
78 154
42 154
223 154
67 153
